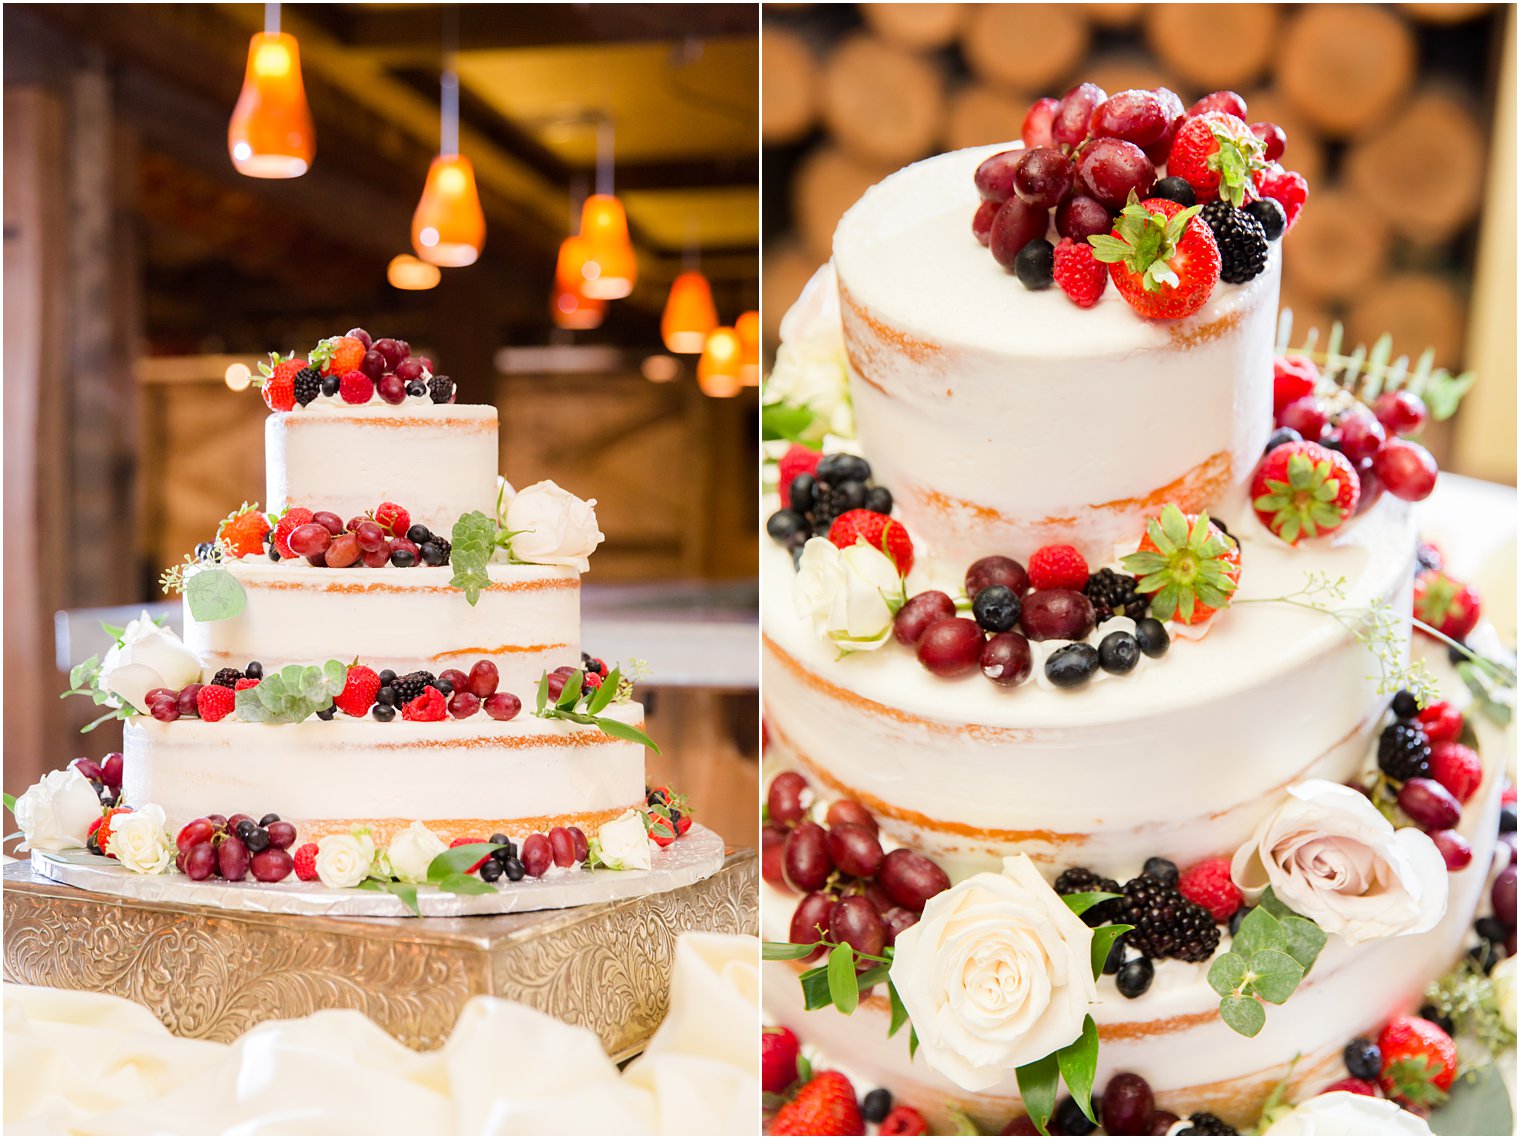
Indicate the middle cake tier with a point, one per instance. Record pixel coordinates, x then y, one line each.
527 621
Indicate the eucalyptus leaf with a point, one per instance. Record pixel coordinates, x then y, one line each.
1259 930
1479 1105
1275 975
1038 1083
215 595
1227 973
1078 1062
335 672
843 986
1305 940
1243 1014
1270 902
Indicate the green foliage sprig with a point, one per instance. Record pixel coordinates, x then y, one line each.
474 541
587 708
1273 951
292 694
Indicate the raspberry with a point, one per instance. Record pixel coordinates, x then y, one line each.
1287 188
798 460
1354 1086
358 694
1081 276
356 387
306 862
778 1059
1456 767
903 1120
393 519
245 682
1208 884
878 531
214 702
1057 567
427 707
243 534
295 516
467 842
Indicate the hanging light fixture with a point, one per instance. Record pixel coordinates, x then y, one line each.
748 329
572 311
568 305
449 227
407 272
271 133
567 268
718 369
689 314
610 268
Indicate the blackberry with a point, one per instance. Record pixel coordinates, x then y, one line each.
441 389
830 501
1081 880
1163 870
1166 924
1269 212
1241 240
1364 1059
1206 1123
308 385
227 677
410 686
1114 595
1404 751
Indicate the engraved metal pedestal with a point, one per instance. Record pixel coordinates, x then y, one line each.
213 973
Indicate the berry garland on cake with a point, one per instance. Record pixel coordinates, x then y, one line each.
352 369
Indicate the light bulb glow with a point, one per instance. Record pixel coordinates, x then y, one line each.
748 328
410 273
238 377
718 371
610 268
449 227
689 314
572 311
271 134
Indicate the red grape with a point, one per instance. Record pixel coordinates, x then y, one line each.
310 539
282 835
910 879
557 680
919 613
373 364
1401 413
232 823
536 855
156 694
1042 177
994 177
1111 169
1372 487
874 894
165 711
1502 895
1226 101
854 850
89 769
483 679
1162 1123
1361 435
1057 615
951 647
186 699
1174 113
343 552
1069 126
193 834
404 348
218 821
1454 849
1006 659
1016 225
1080 217
200 861
502 706
1306 416
361 336
770 865
784 799
1127 1105
996 570
374 559
1275 138
807 863
232 858
1038 121
1406 469
463 705
981 221
329 521
1134 116
272 865
582 847
810 922
369 536
392 388
390 350
458 681
896 920
562 846
409 369
1429 805
854 921
849 811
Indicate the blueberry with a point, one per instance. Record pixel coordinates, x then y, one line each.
416 388
874 1108
997 608
1433 1014
328 713
1363 1058
418 534
1163 870
1151 634
1269 212
879 499
1071 665
330 385
850 495
385 713
269 818
444 686
1282 435
245 828
1507 819
1175 189
1035 264
841 468
254 671
499 839
803 487
403 559
386 695
1115 959
784 524
1237 917
514 869
490 870
1135 977
255 840
387 676
1118 653
432 553
1491 929
1405 706
1069 1120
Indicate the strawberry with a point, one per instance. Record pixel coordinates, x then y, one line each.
1162 258
778 1059
244 682
1079 274
1293 377
338 355
1446 604
1457 768
428 707
279 383
306 862
825 1106
213 702
356 387
1189 566
358 695
1303 490
1288 188
103 832
660 828
1419 1061
467 842
1441 721
877 530
393 519
1209 885
1058 567
798 460
903 1120
1216 153
242 535
295 516
1354 1086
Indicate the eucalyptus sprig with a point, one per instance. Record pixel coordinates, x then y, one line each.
292 694
587 707
84 680
1272 951
1466 997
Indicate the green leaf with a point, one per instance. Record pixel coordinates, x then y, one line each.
1259 930
465 884
785 950
1270 902
899 1010
214 595
1274 975
407 892
1227 973
964 1124
787 421
1243 1014
872 976
912 1043
625 732
815 988
570 694
1078 1062
1305 940
543 692
1079 904
1479 1105
843 986
10 802
335 672
473 540
1102 944
458 859
1038 1083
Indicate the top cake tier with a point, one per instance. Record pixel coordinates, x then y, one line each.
1004 419
439 460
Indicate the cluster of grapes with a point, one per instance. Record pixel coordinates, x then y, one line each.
562 846
593 671
104 775
854 892
233 847
167 705
1127 1106
388 538
466 693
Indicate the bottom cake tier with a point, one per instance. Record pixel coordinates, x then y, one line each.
461 778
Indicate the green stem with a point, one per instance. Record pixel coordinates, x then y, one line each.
1492 667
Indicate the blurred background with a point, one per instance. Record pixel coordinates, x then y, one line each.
144 271
1402 118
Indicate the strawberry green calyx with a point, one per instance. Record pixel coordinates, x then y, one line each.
1441 599
1185 567
1240 155
1146 243
1306 503
268 367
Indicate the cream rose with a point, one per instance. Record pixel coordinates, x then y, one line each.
56 813
344 860
623 844
551 527
996 974
850 595
1346 1113
1503 978
1328 854
811 369
412 851
147 656
140 840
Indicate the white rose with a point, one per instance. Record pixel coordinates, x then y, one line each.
1328 854
551 527
412 851
56 813
344 859
623 844
996 974
147 656
140 840
1503 978
850 595
811 369
1346 1113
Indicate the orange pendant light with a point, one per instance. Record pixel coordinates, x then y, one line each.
689 314
449 227
567 268
748 328
610 268
718 369
271 133
573 311
406 272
